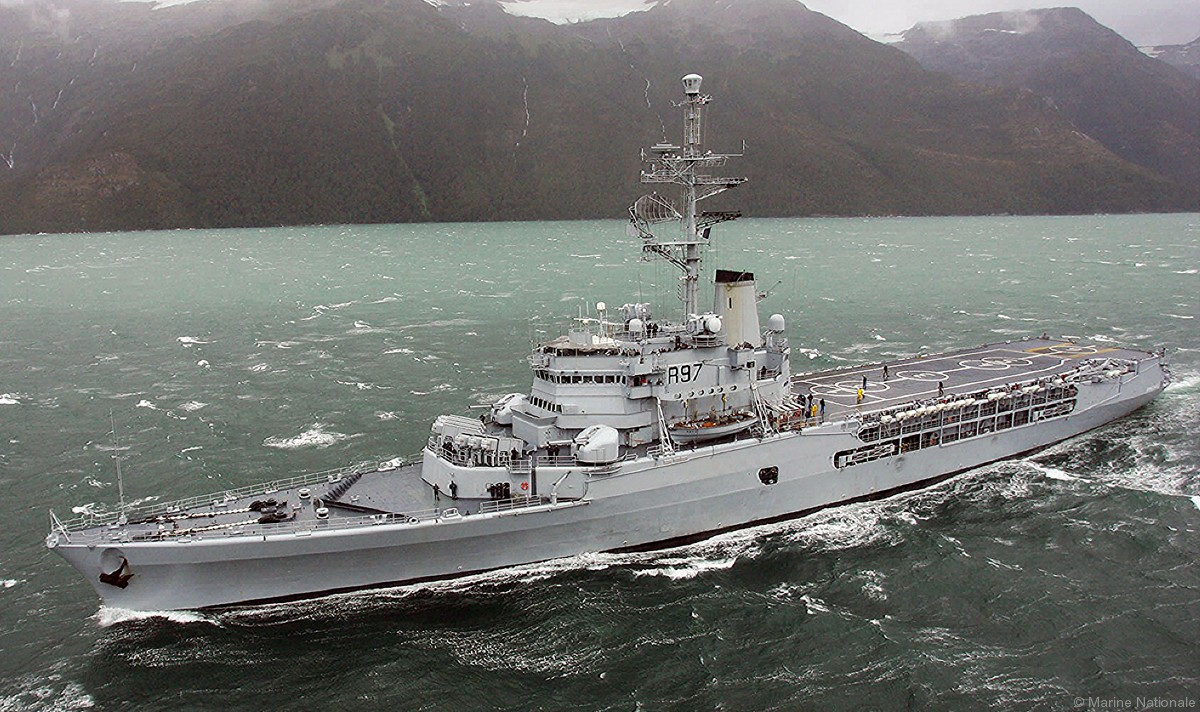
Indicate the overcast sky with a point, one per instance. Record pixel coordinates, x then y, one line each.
1143 22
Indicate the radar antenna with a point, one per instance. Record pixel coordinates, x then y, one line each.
687 168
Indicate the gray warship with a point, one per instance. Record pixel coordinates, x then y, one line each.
639 432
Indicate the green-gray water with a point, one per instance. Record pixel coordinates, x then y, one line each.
234 356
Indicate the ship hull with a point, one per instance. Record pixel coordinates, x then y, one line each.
688 496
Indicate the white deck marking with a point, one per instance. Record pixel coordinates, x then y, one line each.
967 371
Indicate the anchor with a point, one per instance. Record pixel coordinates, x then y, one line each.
119 577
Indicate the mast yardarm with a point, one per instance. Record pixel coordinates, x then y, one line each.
687 167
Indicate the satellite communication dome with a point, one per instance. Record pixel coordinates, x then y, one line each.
775 323
601 306
691 84
636 326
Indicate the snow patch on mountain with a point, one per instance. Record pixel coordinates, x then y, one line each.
562 12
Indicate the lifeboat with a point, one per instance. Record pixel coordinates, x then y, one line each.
709 427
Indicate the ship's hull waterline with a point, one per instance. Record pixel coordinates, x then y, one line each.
687 496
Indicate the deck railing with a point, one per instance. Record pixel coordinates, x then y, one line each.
293 528
508 505
217 499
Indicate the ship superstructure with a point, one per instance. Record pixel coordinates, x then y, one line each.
638 432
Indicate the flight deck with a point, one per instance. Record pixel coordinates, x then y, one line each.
957 373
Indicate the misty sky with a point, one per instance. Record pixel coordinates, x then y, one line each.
1143 22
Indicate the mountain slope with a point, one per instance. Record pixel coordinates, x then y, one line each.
396 110
1139 108
1184 57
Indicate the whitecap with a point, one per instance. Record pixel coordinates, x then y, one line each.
9 583
9 399
436 389
683 569
361 386
188 341
399 351
37 692
192 406
1188 271
202 363
845 527
813 605
313 437
259 368
107 616
873 585
1196 501
1052 472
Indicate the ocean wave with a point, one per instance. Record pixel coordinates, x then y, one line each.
814 605
47 692
315 436
1052 472
436 389
872 584
1184 384
678 569
107 617
850 526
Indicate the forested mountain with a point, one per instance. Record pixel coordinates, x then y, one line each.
235 112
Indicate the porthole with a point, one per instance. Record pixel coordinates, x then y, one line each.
769 475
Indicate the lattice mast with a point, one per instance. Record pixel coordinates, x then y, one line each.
685 167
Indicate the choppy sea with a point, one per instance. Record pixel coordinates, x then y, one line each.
1066 580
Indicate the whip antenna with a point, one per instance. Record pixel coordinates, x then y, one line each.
120 480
